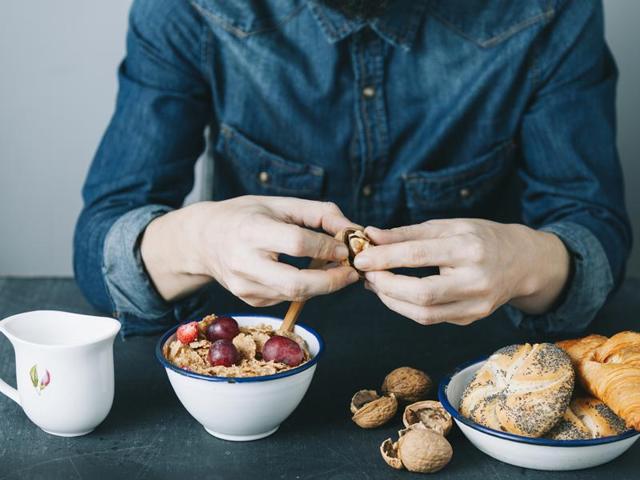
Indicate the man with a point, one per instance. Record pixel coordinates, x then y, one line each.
483 130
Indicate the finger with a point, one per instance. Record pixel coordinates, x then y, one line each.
412 253
259 302
297 241
253 293
430 229
295 285
460 313
310 213
432 290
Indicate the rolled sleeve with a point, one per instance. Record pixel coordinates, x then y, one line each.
144 165
589 287
135 300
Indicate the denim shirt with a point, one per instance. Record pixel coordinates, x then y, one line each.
500 110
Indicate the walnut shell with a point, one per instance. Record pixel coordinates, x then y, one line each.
356 242
389 451
361 398
375 412
408 384
424 451
428 414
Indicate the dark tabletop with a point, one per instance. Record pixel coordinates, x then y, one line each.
149 435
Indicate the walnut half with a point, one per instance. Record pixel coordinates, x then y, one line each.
370 410
356 241
428 414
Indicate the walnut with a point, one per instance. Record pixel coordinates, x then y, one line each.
408 384
428 414
371 410
361 398
356 241
424 451
389 451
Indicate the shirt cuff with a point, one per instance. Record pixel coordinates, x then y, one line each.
136 303
590 285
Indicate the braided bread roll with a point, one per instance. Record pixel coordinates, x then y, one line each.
610 370
587 417
521 389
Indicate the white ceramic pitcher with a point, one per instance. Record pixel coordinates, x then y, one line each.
64 369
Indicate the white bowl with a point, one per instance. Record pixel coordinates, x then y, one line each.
241 409
536 453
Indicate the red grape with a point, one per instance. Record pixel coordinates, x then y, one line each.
223 352
282 350
224 328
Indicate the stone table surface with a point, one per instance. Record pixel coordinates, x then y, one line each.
149 435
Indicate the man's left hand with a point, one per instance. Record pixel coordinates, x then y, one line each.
482 264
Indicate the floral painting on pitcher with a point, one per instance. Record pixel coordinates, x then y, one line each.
39 384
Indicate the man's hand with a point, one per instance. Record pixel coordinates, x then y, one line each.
237 243
482 265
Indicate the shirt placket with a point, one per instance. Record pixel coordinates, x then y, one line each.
367 54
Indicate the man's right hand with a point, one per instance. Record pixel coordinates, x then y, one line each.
237 243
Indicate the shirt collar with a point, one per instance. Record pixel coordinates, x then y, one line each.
398 25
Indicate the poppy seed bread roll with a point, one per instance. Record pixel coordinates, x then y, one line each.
587 417
521 389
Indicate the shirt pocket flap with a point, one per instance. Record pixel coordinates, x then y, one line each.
244 19
263 172
459 187
490 24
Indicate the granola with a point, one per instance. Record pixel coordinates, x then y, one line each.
249 342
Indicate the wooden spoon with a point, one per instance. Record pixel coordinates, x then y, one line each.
296 307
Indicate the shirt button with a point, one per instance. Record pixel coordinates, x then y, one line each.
367 190
465 193
263 177
369 92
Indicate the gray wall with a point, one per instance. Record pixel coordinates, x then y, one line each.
57 85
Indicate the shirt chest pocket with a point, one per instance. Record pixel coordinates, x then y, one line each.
248 168
465 190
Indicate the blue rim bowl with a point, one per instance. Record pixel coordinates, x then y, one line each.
264 378
444 400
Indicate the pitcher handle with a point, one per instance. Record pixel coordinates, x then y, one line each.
5 388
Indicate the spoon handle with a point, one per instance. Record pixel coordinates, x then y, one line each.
296 307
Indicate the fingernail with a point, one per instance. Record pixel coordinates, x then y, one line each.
362 262
341 251
353 276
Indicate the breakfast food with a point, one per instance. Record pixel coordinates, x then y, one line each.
587 417
521 389
408 384
281 349
370 410
218 346
610 370
356 242
428 414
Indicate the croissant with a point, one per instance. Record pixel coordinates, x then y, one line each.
610 370
581 349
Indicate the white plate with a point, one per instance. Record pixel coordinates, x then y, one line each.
536 453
